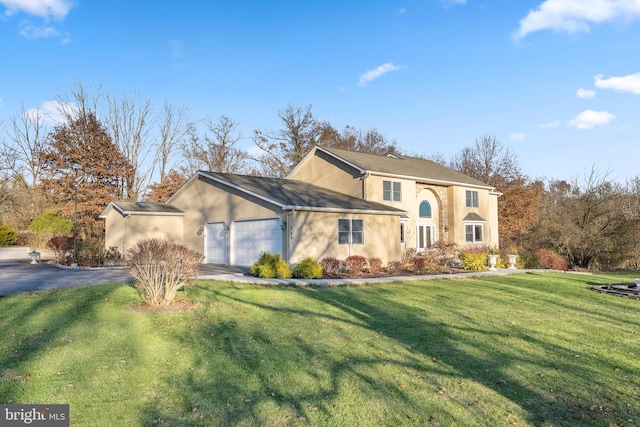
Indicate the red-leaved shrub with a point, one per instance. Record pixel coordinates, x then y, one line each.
375 265
550 259
354 264
61 245
329 265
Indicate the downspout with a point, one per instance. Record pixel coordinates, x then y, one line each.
288 234
126 233
363 179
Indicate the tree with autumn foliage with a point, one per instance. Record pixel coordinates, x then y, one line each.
82 164
161 191
489 161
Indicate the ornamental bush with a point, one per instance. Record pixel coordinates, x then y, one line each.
8 235
354 264
330 265
375 265
307 269
474 258
47 225
161 268
61 246
270 266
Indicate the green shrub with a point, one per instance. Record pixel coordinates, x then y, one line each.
307 269
45 226
474 259
8 235
270 266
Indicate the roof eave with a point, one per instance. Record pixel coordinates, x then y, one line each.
432 181
344 210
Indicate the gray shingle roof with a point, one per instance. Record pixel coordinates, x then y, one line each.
128 207
405 166
290 193
472 216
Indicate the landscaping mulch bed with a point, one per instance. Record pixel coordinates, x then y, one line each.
395 273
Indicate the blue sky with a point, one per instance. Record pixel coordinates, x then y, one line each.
557 81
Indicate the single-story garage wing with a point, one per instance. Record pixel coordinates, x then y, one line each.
232 219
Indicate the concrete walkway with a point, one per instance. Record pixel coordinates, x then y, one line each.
16 277
241 278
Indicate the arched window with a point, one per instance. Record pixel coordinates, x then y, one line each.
425 209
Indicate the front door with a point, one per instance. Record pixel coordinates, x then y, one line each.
425 235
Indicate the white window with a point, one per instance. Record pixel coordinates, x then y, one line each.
473 233
351 232
472 199
402 232
392 191
425 235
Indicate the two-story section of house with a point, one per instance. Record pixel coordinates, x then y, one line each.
441 203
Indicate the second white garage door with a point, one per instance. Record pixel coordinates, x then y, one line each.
250 238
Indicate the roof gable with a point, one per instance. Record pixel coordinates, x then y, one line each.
403 167
298 195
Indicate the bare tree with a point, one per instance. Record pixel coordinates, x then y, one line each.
215 149
591 222
129 122
371 141
27 131
174 127
487 160
286 147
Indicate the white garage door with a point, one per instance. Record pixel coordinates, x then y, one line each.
250 238
215 248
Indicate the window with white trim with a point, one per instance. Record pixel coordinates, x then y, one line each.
402 232
351 231
392 191
473 233
472 199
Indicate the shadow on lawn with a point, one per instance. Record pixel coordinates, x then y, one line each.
40 326
434 347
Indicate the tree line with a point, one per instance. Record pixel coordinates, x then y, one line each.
105 148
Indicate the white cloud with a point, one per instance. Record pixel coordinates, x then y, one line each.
1 103
589 119
518 136
585 93
46 9
50 112
371 75
402 11
549 125
33 32
573 16
630 83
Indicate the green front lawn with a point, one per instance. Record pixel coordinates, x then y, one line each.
528 349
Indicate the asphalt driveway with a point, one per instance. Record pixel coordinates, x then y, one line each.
18 277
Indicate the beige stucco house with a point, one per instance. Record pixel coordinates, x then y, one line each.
441 203
334 203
